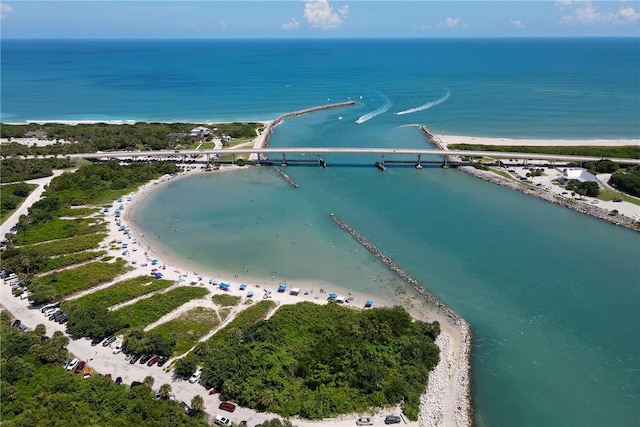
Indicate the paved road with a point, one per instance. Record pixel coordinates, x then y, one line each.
31 199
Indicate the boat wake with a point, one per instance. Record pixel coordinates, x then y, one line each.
424 106
376 112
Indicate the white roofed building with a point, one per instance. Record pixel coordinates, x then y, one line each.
579 175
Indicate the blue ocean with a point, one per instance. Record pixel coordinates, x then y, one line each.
552 296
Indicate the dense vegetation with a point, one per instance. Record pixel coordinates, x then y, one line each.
36 391
319 361
15 169
89 138
12 196
627 180
624 151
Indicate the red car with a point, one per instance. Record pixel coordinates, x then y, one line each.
79 367
153 360
227 406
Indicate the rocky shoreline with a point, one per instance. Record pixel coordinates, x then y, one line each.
577 206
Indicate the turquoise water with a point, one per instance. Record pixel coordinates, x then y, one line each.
553 297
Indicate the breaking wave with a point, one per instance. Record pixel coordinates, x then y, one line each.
376 112
424 106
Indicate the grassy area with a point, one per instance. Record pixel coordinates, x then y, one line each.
249 316
122 291
69 245
12 196
67 282
186 330
58 229
149 310
225 300
607 194
67 260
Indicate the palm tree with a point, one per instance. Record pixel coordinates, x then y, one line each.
148 381
197 403
164 391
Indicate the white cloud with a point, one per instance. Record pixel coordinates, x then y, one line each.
585 13
319 14
291 25
5 10
452 22
517 23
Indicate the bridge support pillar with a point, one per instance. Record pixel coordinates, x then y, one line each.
418 165
284 160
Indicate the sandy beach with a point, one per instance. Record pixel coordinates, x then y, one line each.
445 403
458 139
450 391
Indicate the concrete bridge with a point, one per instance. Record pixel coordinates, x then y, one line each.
286 156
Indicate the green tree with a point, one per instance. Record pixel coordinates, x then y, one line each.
186 366
197 403
164 391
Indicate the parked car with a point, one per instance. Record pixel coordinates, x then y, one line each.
227 406
144 359
79 367
63 318
49 311
72 364
135 358
118 348
118 380
364 421
48 307
196 376
16 323
222 421
66 362
108 340
128 357
95 341
188 409
153 360
162 361
392 419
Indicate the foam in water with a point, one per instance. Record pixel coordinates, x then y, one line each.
380 110
424 106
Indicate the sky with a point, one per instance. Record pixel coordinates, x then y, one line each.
215 19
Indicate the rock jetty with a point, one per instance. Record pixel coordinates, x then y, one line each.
285 177
453 371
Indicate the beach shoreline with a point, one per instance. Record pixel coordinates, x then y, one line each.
534 142
448 398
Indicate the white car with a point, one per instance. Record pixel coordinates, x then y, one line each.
222 421
118 348
49 311
196 376
72 364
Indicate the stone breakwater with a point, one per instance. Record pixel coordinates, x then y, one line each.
285 177
447 401
577 206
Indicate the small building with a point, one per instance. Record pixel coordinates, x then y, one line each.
579 175
38 134
200 132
